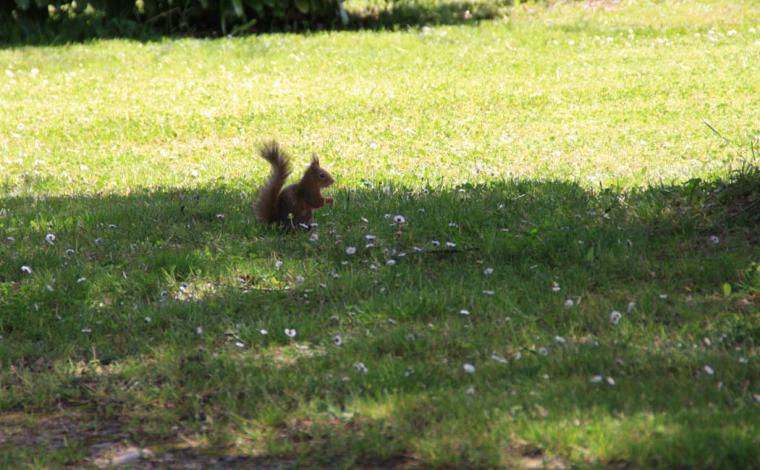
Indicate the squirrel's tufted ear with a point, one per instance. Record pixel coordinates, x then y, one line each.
314 160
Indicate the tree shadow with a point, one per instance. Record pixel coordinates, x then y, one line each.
373 16
149 308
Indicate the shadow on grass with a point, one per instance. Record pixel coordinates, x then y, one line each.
374 16
166 312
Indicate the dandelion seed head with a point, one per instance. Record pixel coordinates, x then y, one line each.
351 250
50 238
399 219
360 368
488 271
290 332
569 303
615 317
26 269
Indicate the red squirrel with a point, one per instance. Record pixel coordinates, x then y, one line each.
293 206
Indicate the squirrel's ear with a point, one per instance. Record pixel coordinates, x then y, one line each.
314 160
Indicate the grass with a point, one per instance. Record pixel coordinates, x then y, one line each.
563 147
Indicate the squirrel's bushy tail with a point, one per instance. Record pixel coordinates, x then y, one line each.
265 206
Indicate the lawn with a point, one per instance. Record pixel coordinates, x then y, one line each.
575 283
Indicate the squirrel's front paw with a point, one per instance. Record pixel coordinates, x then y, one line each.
329 200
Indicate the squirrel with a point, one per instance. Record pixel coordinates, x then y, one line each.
291 207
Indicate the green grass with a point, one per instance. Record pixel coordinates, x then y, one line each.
563 147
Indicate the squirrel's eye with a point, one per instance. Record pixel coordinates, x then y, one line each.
322 175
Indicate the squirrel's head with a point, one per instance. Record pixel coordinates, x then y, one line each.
317 175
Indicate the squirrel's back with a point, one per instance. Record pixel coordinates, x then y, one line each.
266 206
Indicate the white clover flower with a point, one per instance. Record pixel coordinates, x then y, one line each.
435 243
148 319
263 332
743 360
610 381
569 303
81 280
337 340
399 219
278 264
391 262
365 220
194 173
86 331
555 286
453 224
663 296
290 332
50 238
240 344
542 351
464 312
451 244
596 379
360 368
488 271
220 216
489 292
83 168
615 317
409 371
26 269
199 330
351 250
470 390
314 236
300 279
498 358
560 339
709 370
469 368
